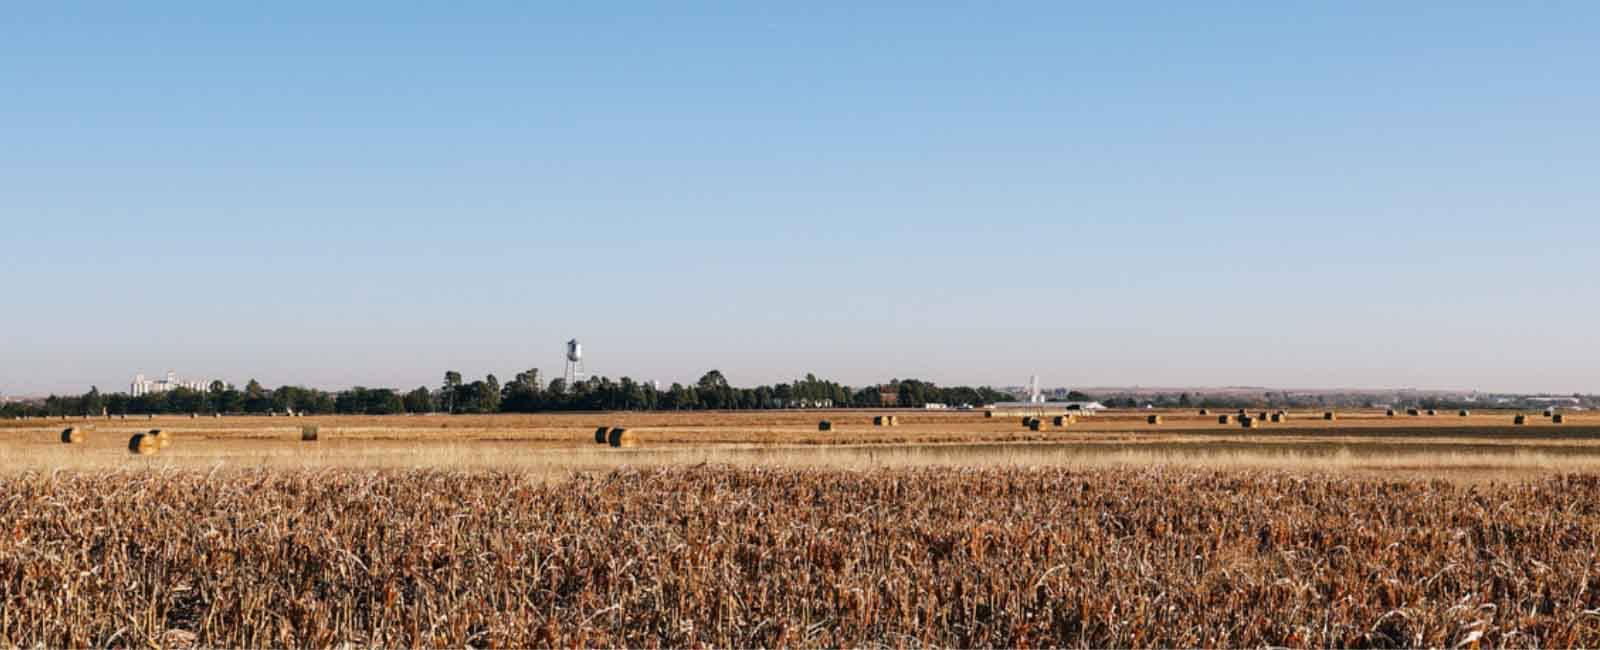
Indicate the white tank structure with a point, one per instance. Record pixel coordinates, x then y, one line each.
574 372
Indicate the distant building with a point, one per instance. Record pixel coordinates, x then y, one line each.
888 395
142 386
1046 408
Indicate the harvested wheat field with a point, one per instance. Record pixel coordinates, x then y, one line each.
1483 445
745 557
757 529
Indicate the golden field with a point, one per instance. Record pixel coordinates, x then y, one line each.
764 557
1483 444
742 529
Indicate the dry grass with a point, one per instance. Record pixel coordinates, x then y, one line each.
778 557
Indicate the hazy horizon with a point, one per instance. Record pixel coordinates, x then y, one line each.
1348 196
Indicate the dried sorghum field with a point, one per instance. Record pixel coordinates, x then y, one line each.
729 556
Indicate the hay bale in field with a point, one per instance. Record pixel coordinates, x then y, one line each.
1433 412
1249 422
1154 419
1262 416
143 444
600 434
71 435
1036 425
1520 420
1558 419
1330 416
621 437
824 426
163 438
880 421
988 414
1389 413
1549 413
1062 420
194 416
894 420
1465 413
1225 419
1413 412
309 433
1204 412
216 416
1278 417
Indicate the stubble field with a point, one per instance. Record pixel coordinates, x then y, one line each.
755 529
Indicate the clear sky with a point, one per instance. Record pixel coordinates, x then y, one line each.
1295 194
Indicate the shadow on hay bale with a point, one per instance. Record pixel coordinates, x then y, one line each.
620 437
143 444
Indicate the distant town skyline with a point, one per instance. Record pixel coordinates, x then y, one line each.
332 194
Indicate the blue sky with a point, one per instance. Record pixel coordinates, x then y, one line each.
1286 194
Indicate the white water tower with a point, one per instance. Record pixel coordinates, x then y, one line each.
574 363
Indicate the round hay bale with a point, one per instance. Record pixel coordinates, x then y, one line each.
1036 425
1413 412
1465 413
1549 413
600 434
143 444
1433 412
1279 417
216 416
1249 422
1225 419
72 435
894 420
163 439
1262 416
1205 411
309 433
1154 419
1558 419
988 414
1389 413
1330 416
1520 420
1062 420
879 421
620 437
825 425
194 416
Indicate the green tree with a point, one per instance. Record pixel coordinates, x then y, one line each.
92 402
256 398
418 401
489 395
451 390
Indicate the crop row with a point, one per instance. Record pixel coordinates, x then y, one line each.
767 557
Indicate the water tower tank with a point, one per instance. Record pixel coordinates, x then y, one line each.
574 350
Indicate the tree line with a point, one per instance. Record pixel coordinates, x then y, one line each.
524 393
